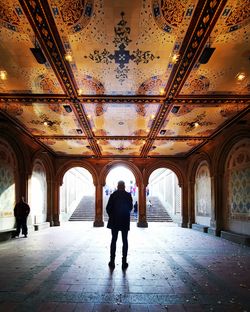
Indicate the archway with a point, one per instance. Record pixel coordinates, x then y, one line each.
77 196
116 174
203 195
8 163
163 196
38 195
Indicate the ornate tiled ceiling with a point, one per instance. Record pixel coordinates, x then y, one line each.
124 78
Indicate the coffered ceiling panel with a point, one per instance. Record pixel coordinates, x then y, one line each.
68 146
173 148
130 73
43 119
121 47
121 119
198 120
121 147
24 73
228 69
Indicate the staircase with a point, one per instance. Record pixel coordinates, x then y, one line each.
85 211
157 213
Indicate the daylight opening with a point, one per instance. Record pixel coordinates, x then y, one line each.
115 175
77 196
163 197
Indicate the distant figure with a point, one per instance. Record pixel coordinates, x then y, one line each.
21 212
135 208
149 203
118 209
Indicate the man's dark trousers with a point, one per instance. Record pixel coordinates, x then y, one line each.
124 243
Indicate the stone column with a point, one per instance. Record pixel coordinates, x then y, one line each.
56 193
142 220
216 194
191 204
184 195
98 205
50 190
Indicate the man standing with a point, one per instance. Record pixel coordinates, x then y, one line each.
21 212
118 209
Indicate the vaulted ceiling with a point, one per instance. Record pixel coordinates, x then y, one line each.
124 78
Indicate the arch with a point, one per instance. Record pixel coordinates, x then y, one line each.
76 163
106 169
222 151
203 194
22 160
167 165
38 193
236 196
43 157
196 162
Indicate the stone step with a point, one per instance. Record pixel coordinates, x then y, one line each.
85 211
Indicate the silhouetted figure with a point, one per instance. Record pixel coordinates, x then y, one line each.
118 209
135 208
21 212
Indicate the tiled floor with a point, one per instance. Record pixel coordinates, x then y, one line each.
170 269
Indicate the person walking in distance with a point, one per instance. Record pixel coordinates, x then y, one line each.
21 212
119 206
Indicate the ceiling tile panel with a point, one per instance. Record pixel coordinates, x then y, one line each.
173 148
198 120
24 73
116 48
231 40
68 146
121 119
43 119
121 147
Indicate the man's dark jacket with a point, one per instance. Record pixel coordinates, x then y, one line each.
21 210
118 209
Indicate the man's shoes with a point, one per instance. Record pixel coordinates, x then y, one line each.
124 265
112 264
25 236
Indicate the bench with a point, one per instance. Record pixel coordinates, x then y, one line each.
200 227
7 234
242 239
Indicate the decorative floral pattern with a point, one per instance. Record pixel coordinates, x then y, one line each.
7 181
238 167
239 14
151 85
74 15
199 118
169 13
92 85
121 56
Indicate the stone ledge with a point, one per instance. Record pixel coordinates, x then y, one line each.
200 227
236 238
7 234
41 226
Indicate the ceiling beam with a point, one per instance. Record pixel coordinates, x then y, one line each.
204 18
42 21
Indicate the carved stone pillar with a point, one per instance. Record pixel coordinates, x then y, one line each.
216 200
56 193
184 194
98 205
50 190
22 189
191 204
142 219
